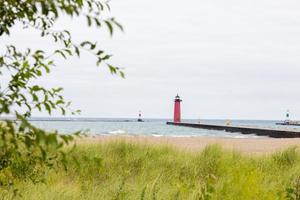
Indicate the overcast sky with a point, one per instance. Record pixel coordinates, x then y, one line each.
234 59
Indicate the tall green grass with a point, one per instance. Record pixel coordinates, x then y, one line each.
120 170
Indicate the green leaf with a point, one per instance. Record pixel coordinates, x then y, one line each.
61 53
89 20
106 57
63 111
35 97
122 74
48 108
97 22
113 70
99 52
68 51
109 26
85 43
36 88
118 24
77 51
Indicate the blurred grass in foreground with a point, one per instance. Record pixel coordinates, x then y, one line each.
120 170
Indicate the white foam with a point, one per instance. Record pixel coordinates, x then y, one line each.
157 135
118 132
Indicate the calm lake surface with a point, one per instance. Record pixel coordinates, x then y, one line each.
150 127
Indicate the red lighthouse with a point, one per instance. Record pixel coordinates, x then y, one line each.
177 112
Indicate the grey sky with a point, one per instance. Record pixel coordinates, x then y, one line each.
226 59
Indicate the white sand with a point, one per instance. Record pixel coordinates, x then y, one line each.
244 145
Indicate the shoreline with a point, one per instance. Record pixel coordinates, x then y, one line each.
258 146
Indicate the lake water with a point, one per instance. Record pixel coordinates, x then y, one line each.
150 127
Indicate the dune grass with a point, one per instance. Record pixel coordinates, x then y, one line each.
119 170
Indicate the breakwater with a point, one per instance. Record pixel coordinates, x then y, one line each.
271 132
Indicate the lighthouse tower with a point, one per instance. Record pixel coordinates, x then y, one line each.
140 117
177 112
287 116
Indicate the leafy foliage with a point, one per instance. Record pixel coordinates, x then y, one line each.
25 151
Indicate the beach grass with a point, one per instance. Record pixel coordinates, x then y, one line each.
121 170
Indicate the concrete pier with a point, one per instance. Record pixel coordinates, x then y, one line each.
289 123
274 133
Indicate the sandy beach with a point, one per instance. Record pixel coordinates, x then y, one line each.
244 145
